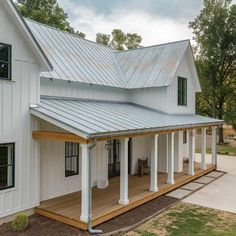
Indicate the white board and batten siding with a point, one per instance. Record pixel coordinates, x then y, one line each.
62 88
16 124
53 182
172 90
166 98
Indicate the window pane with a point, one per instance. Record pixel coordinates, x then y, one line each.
3 156
182 91
4 69
3 177
179 91
10 176
71 158
4 52
74 164
6 166
68 163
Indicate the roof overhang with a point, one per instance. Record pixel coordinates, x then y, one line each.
9 5
104 120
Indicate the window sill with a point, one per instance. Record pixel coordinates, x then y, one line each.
71 176
7 80
8 190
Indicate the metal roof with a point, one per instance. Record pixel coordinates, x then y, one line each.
151 66
77 59
104 118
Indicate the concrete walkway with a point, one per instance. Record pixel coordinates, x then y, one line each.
220 194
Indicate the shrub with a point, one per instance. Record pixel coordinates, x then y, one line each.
20 223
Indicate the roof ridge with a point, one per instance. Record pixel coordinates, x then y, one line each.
74 35
156 45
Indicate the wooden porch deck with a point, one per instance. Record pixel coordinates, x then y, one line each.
105 205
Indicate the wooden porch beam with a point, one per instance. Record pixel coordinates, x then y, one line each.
49 135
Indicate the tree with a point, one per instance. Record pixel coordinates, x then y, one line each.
103 38
214 31
133 41
119 40
47 12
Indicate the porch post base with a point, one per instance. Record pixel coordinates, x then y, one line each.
153 189
84 218
102 184
124 202
191 173
203 167
171 181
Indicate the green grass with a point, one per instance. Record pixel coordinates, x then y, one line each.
223 149
189 220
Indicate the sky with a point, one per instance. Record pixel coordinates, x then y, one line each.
157 21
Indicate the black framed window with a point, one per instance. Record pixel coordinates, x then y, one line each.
184 136
182 91
5 61
71 159
7 166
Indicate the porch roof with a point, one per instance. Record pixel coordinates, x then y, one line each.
97 119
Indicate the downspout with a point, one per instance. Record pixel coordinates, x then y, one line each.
90 227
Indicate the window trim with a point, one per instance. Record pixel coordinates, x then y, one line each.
9 63
71 156
184 94
13 168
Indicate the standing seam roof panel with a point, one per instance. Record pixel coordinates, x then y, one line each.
140 118
77 59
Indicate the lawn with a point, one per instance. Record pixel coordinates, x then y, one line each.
186 219
223 149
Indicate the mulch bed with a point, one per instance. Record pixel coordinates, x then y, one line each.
42 226
137 215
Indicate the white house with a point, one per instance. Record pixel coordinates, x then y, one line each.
65 101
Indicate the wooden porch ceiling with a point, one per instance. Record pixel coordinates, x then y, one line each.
70 137
105 205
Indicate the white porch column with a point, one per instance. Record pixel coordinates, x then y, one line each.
213 146
154 161
203 148
170 153
191 152
84 182
124 172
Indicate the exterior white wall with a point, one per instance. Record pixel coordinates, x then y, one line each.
155 98
16 124
53 182
172 91
80 90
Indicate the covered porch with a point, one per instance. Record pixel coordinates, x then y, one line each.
105 204
94 124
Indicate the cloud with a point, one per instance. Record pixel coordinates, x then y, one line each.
157 21
164 8
153 28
